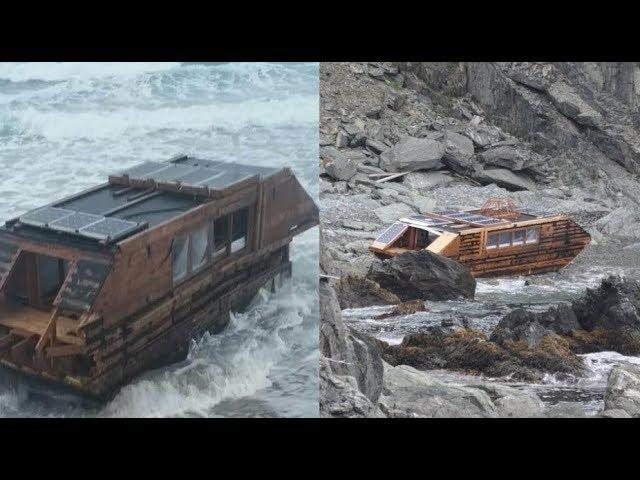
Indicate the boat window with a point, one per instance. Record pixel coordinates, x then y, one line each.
492 241
505 239
180 258
199 253
533 234
220 236
518 237
239 233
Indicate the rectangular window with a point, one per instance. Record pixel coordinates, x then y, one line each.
533 235
199 253
220 236
518 237
492 241
505 239
180 258
239 232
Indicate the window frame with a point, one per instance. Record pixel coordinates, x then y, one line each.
512 233
211 258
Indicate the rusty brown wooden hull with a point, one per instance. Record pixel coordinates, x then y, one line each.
154 337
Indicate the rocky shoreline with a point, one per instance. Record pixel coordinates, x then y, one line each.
551 136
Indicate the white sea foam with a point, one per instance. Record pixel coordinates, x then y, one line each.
54 71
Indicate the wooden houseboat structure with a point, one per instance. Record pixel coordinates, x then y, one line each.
102 285
495 240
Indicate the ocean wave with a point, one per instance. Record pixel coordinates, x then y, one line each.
233 364
58 71
91 125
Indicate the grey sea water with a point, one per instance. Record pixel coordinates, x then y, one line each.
65 127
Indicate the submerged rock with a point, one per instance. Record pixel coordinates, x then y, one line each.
357 292
423 275
405 308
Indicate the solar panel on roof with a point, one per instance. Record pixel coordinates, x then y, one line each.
74 222
108 228
43 216
392 233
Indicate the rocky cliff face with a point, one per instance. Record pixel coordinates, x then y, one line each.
562 137
584 117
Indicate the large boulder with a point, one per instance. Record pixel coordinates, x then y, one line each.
458 153
336 165
531 327
623 390
412 393
358 292
423 275
413 154
426 181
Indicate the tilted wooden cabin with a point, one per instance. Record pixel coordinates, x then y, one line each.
492 241
98 287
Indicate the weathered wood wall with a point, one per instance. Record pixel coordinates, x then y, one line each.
560 241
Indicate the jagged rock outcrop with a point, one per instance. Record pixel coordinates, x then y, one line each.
423 275
357 292
347 352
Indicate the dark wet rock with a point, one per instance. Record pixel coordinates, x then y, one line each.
531 327
605 318
423 275
623 390
614 305
413 154
404 308
356 292
471 351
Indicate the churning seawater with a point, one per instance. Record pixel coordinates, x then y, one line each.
65 127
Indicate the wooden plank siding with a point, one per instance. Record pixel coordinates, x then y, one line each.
560 241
